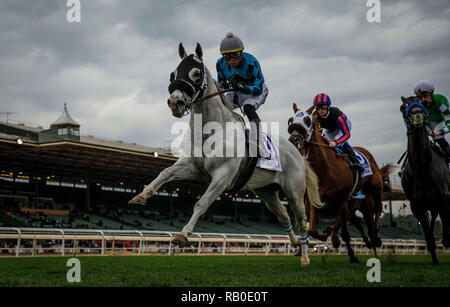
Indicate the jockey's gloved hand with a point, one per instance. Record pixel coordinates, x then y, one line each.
241 87
225 84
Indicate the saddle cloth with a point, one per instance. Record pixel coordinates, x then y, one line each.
272 162
367 172
362 160
364 163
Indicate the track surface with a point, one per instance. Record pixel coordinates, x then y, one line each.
224 271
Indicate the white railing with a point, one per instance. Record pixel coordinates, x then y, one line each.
111 242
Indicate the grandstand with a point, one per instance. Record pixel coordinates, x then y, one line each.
57 178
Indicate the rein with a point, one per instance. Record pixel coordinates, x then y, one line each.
215 94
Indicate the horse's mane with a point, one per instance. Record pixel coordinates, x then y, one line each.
225 101
228 104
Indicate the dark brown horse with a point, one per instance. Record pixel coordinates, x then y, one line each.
336 186
367 206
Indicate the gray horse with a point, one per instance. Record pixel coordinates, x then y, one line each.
194 91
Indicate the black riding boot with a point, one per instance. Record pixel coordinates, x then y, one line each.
250 111
445 147
352 157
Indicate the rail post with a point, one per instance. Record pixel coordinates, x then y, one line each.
140 242
18 240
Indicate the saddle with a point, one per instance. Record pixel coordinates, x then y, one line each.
357 175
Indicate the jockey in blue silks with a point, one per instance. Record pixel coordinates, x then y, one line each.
335 127
241 71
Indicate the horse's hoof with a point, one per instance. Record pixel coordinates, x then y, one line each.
298 252
335 241
138 200
180 240
305 262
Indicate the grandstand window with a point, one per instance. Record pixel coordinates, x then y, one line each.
107 188
62 131
7 179
67 184
119 190
51 182
256 200
81 186
76 132
21 180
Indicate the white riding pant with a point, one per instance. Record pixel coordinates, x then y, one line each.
243 99
436 126
334 135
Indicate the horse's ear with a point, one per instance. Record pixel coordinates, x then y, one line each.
310 110
199 51
181 51
403 99
294 106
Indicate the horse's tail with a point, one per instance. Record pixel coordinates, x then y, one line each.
312 187
385 172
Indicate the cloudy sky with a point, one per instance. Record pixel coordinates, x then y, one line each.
112 69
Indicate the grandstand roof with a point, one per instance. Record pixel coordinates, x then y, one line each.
79 160
22 126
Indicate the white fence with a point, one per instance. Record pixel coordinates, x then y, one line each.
68 242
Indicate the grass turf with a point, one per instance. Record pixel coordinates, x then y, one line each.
223 271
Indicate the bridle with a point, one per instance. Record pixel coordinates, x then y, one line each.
414 113
300 135
192 88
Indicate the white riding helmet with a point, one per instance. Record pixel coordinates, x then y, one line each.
423 86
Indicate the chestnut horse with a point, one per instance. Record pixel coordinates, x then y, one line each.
336 185
365 206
